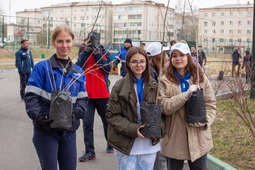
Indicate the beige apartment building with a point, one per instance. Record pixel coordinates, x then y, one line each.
81 16
142 20
222 28
28 24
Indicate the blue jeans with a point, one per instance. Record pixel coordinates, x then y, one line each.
53 148
138 162
88 122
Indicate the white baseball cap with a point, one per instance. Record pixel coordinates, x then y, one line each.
184 48
155 49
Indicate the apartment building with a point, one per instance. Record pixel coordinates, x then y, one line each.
28 24
81 16
142 20
222 28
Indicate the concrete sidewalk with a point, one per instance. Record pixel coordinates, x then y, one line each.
16 131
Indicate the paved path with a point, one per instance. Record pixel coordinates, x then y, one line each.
16 130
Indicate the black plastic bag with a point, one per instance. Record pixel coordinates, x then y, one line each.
61 110
195 108
151 118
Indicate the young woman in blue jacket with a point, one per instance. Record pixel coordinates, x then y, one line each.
55 145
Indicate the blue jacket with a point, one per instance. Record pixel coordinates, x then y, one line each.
24 60
103 63
122 57
41 84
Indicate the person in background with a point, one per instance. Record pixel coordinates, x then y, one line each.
82 46
24 62
247 63
171 44
185 141
201 56
143 45
56 148
193 51
97 66
154 55
236 62
133 150
122 57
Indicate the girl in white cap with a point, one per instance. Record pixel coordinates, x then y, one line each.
185 141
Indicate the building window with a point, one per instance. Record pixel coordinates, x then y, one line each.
230 40
230 14
230 31
135 8
205 14
120 24
248 40
205 31
61 11
249 13
222 31
74 18
135 24
138 16
213 31
222 14
74 25
205 39
213 40
249 32
239 22
116 17
213 14
239 13
74 11
120 9
230 22
221 40
249 23
68 11
82 10
222 23
205 23
239 31
213 23
239 40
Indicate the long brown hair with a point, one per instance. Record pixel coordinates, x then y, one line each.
146 74
156 61
191 67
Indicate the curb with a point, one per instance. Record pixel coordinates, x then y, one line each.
214 163
10 70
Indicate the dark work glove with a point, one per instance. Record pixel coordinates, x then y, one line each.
22 73
88 48
45 123
76 114
114 66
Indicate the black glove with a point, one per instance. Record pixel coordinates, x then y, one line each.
45 123
88 48
76 114
22 73
114 66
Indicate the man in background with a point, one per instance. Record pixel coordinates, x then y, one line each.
83 45
122 57
201 56
24 62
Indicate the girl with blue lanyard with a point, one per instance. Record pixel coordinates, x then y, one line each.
185 141
132 149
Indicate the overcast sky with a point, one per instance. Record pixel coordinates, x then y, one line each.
20 5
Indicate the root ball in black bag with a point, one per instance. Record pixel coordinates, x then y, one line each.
195 108
151 118
61 109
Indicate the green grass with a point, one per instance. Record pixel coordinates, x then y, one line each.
233 142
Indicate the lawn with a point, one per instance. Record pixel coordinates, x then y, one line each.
233 142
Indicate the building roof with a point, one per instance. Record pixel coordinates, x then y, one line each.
228 6
31 10
141 2
83 3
